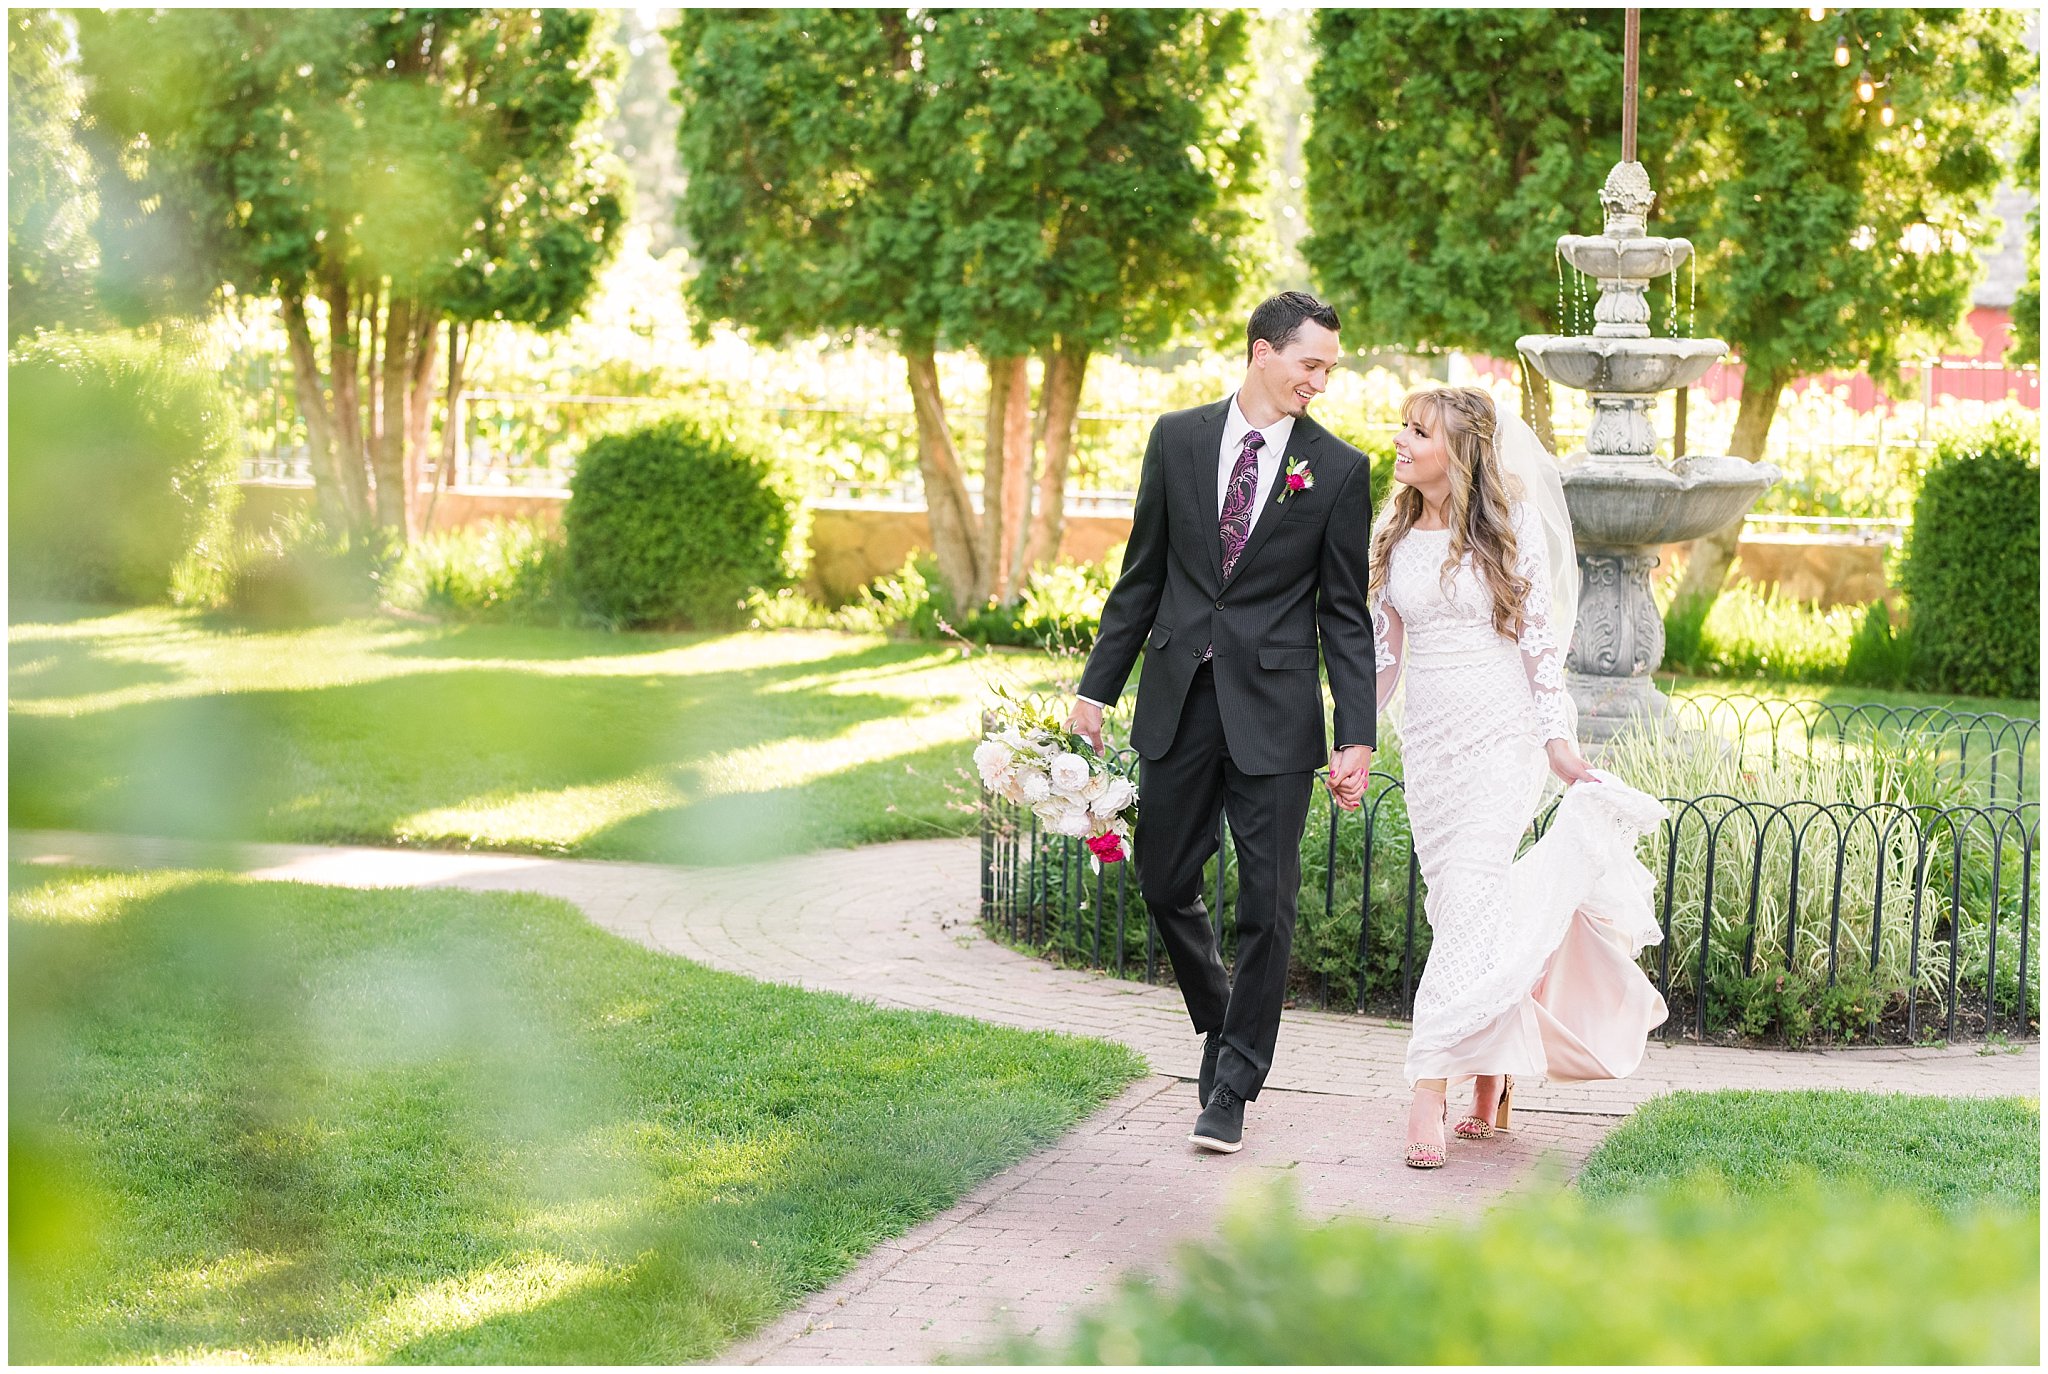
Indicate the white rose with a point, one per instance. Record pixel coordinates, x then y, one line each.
1115 797
1069 773
1033 786
1095 788
1075 822
993 760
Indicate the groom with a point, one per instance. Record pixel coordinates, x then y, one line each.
1247 553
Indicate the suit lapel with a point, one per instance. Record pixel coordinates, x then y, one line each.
1301 444
1207 441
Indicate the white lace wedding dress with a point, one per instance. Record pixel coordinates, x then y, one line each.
1531 966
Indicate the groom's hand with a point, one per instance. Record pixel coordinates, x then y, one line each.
1350 769
1085 720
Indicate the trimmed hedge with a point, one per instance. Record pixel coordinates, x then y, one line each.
120 471
1972 568
671 527
1811 1275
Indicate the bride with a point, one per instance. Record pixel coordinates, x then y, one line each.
1474 589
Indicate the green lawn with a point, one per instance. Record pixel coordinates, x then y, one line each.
687 748
684 748
1954 1152
279 1122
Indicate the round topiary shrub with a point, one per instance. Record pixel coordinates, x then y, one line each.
671 527
1972 568
120 471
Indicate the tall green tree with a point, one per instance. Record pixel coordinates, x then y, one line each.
1449 150
1020 183
1826 238
2026 305
396 172
50 204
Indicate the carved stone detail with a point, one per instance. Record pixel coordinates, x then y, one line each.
1621 427
1626 200
1619 633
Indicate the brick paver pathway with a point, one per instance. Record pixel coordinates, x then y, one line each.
894 924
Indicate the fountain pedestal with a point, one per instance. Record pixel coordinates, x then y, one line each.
1623 500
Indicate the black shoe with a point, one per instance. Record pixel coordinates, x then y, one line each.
1206 1083
1220 1127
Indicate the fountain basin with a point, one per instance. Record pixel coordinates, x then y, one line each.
1633 504
1624 366
1623 259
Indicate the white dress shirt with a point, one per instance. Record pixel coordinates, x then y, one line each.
1235 427
1271 457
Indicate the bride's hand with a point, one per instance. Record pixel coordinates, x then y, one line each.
1566 763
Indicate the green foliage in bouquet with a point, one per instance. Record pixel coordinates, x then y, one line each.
120 471
669 526
1972 570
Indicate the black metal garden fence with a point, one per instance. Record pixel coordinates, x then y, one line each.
1797 919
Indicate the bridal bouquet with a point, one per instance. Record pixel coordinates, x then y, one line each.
1029 757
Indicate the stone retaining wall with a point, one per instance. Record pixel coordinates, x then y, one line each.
853 543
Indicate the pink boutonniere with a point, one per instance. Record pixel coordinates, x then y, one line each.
1299 478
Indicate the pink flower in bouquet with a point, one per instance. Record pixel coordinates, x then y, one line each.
1108 848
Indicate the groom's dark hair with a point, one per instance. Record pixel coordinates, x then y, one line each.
1278 319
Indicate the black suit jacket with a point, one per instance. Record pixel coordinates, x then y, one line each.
1299 586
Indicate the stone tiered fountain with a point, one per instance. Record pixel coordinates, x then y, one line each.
1624 501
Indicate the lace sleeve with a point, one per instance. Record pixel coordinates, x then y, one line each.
1542 655
1388 639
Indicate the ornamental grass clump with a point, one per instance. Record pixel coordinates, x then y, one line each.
505 571
1834 883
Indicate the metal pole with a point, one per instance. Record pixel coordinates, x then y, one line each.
1631 36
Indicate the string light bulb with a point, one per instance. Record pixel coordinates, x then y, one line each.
1887 116
1866 89
1842 51
1816 14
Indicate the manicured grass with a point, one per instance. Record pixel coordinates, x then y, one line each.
277 1122
683 748
1952 1152
687 748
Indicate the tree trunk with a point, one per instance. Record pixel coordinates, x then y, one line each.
422 351
368 312
1065 370
1714 554
393 377
946 503
1005 473
347 410
334 490
451 427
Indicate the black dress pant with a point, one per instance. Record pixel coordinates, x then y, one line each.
1181 796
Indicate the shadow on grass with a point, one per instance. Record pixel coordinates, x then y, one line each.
627 765
300 1122
44 669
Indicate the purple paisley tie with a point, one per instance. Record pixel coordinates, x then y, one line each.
1237 508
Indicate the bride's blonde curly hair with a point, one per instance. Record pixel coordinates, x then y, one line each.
1480 510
